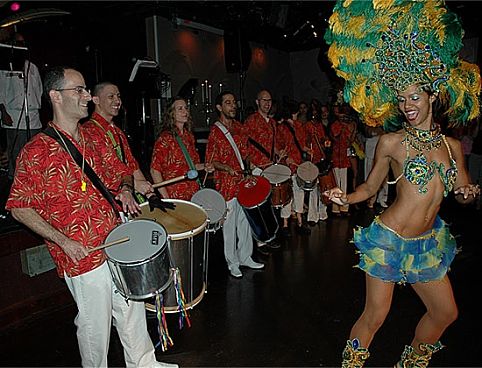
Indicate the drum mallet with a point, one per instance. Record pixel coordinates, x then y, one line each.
114 242
191 174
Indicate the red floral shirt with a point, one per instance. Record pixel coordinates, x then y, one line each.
48 181
102 134
168 159
341 135
256 127
286 142
221 151
316 129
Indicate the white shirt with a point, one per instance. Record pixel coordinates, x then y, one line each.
12 92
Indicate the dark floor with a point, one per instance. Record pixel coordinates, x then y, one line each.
296 312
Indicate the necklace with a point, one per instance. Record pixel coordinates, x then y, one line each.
83 185
422 140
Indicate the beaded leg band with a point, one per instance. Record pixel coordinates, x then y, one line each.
411 359
354 355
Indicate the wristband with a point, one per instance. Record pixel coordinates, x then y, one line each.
130 188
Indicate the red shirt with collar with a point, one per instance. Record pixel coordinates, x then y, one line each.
221 151
100 135
316 129
262 131
168 159
48 181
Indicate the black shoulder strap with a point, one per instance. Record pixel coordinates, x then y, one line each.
77 156
259 147
292 131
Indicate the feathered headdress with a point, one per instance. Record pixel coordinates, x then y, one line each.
380 47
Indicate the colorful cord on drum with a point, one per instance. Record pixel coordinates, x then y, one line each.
164 339
181 300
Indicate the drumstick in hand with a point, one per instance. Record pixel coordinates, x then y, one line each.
114 242
210 161
191 174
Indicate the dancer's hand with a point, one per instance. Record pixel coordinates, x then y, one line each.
336 195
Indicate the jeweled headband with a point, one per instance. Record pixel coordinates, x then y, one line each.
383 46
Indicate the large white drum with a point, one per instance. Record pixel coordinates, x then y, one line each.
140 267
187 241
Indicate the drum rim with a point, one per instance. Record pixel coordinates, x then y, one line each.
185 234
219 195
288 172
313 180
262 202
136 263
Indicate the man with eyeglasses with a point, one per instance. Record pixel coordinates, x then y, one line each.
52 195
261 131
20 115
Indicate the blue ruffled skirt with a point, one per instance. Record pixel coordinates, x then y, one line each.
388 256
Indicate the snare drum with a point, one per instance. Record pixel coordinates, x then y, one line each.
306 176
253 196
140 267
214 204
279 176
187 240
327 182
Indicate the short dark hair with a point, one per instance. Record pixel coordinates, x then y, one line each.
219 99
54 79
100 86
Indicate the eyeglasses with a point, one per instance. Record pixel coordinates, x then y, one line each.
79 90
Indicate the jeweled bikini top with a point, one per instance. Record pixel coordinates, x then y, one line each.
418 170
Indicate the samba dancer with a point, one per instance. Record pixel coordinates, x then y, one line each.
53 196
227 145
408 242
175 153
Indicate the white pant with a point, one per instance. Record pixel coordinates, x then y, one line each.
296 202
316 208
98 306
236 225
341 177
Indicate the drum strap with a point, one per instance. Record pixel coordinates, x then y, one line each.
119 151
77 156
117 146
292 131
230 139
186 155
259 147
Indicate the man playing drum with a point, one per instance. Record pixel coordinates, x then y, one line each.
52 195
319 142
291 139
261 131
227 176
101 127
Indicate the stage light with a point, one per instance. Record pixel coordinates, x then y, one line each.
15 6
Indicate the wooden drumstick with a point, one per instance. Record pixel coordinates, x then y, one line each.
206 172
191 174
114 242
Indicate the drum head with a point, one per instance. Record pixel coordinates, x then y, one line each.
253 191
212 202
277 173
186 220
307 171
146 238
